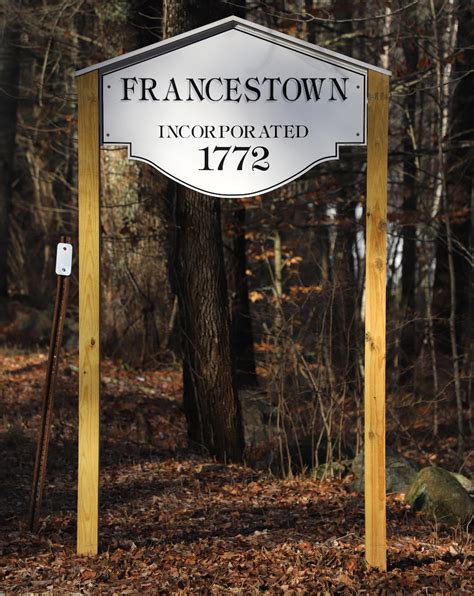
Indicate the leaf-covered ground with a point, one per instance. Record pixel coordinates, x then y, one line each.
172 522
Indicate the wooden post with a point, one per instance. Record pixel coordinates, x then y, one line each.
89 308
375 295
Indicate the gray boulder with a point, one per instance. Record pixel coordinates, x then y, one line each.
466 483
336 469
438 495
399 473
256 417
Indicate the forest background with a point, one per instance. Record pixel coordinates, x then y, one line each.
294 258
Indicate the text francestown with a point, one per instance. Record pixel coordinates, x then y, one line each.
234 89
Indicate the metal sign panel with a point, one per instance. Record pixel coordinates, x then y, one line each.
64 259
234 113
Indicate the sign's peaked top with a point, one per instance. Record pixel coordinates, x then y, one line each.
179 41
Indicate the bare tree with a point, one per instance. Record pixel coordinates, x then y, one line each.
210 397
9 74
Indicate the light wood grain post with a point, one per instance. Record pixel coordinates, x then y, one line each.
375 324
89 314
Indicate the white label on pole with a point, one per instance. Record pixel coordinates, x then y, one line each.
234 114
64 259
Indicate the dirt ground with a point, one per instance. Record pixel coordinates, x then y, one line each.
173 522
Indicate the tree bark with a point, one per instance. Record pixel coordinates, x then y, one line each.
210 398
242 335
459 182
408 334
346 317
9 72
456 194
346 320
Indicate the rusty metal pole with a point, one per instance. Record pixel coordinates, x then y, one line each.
63 270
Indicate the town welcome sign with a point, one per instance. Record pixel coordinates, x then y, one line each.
233 109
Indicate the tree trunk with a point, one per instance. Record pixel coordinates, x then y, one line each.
182 15
446 262
9 71
242 335
346 320
459 181
408 334
346 315
210 398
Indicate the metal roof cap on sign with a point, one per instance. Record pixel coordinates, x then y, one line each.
184 39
